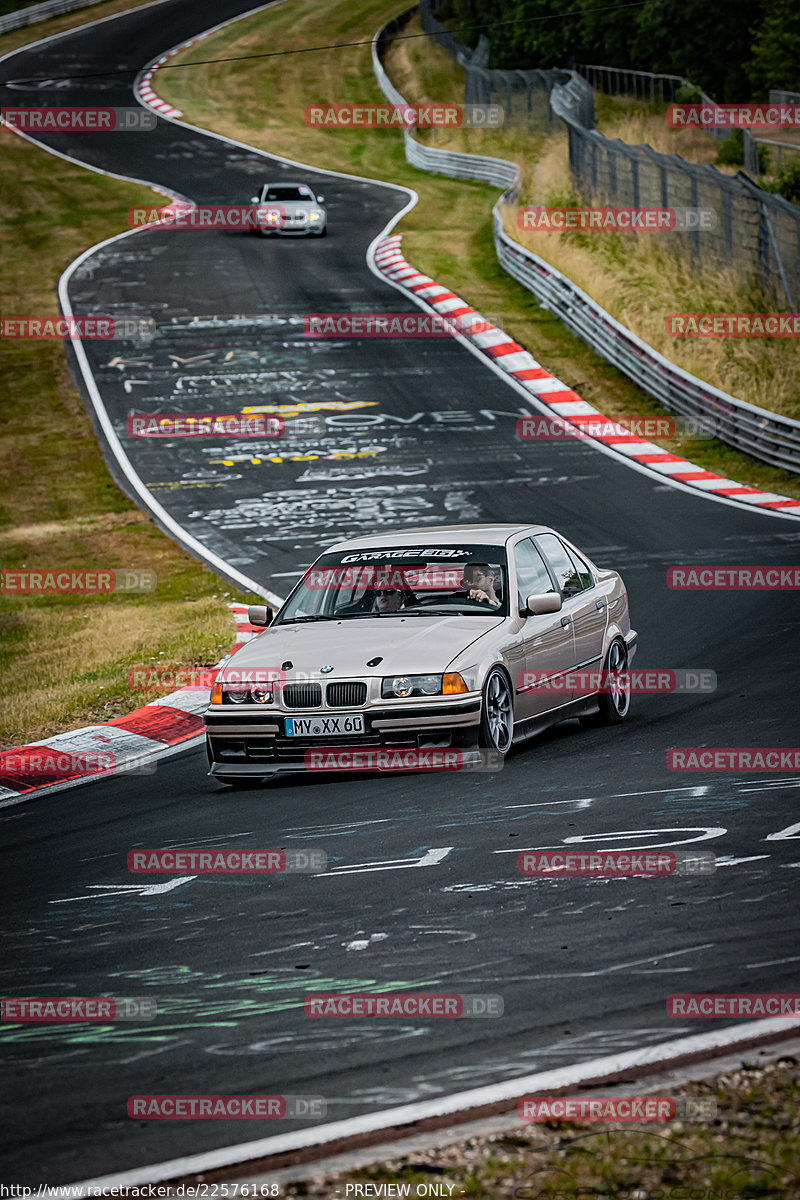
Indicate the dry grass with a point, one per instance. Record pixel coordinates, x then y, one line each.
66 658
640 278
448 235
751 1149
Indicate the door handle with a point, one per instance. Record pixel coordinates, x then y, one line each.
565 621
599 603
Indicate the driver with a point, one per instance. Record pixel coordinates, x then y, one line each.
479 580
391 599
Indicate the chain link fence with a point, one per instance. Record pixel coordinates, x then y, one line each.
648 86
524 95
765 435
755 232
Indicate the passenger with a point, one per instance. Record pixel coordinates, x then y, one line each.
478 582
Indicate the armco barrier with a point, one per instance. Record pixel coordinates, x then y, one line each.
499 171
40 12
762 434
755 431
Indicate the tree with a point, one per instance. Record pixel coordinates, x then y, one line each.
775 59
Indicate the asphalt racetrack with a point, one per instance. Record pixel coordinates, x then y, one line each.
584 966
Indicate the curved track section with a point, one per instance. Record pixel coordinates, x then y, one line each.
415 432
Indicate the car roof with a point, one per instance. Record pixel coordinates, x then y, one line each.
432 535
289 183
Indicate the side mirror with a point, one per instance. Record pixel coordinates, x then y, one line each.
260 614
320 199
544 602
255 199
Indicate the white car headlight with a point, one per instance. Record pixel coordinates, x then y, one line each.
312 216
411 685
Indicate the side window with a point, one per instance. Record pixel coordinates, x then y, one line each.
582 567
532 575
564 569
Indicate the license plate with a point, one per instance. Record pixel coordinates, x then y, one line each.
336 723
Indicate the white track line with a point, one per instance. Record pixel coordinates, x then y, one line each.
146 499
509 1090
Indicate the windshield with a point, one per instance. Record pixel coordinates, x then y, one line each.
282 193
456 580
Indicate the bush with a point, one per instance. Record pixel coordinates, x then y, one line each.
788 184
688 94
731 153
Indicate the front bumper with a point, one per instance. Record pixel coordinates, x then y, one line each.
293 228
249 743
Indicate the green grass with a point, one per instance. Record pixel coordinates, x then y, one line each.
66 659
751 1149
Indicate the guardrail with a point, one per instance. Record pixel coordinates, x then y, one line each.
764 435
40 12
756 431
499 171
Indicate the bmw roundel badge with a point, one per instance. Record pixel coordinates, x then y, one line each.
326 670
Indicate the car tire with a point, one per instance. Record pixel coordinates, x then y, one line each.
324 233
616 704
497 713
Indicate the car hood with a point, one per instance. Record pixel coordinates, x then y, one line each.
413 646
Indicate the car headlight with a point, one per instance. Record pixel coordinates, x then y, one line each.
411 685
222 693
314 216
